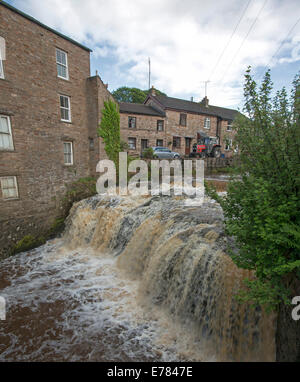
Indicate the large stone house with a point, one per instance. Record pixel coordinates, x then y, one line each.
50 108
174 123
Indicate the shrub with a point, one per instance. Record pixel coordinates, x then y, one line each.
262 207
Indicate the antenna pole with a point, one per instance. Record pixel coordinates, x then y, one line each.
149 62
206 82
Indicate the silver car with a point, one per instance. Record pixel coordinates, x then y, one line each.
164 153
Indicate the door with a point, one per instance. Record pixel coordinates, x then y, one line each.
188 146
144 144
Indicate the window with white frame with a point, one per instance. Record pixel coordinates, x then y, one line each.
132 143
207 123
228 144
62 64
6 141
182 119
229 126
9 187
65 108
68 153
132 122
160 125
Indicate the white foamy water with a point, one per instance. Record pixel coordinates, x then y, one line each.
77 306
132 279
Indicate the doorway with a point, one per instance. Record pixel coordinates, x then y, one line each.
188 146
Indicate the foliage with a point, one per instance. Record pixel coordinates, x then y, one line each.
262 206
110 130
124 147
132 95
81 189
26 243
148 153
56 228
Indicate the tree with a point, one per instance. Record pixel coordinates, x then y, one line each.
262 206
132 95
110 130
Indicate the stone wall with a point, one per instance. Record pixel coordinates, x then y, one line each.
288 331
29 95
146 128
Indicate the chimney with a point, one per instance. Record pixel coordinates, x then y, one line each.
205 101
192 99
152 91
106 85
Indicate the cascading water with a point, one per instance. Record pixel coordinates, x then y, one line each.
135 279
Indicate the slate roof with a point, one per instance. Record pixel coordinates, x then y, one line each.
43 25
137 108
195 107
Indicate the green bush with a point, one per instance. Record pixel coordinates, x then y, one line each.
148 153
262 207
81 189
110 130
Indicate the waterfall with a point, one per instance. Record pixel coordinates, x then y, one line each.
153 267
178 255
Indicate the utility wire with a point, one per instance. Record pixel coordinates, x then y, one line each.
245 38
229 41
280 46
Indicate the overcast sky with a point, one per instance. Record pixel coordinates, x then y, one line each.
185 40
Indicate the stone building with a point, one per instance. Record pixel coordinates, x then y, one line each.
49 113
50 109
174 123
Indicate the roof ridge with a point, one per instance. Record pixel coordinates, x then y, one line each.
194 102
30 18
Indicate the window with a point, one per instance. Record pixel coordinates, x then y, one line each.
176 142
91 143
132 122
65 108
228 144
62 64
68 153
132 143
1 69
6 141
160 125
182 120
207 123
144 144
229 126
159 142
9 187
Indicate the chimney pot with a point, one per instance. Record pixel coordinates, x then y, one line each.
152 92
205 101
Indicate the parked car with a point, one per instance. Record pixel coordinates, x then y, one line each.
164 153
